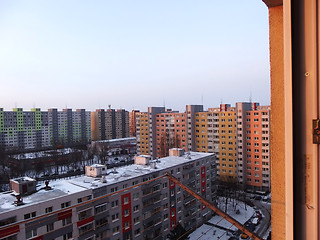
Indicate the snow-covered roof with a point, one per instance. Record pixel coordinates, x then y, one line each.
40 154
97 165
63 187
23 179
117 140
59 188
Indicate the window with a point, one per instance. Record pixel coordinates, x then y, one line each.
50 227
126 200
80 200
137 232
30 215
115 217
126 225
85 229
65 204
136 208
7 221
67 236
126 212
114 203
48 209
114 189
85 214
136 220
66 221
100 208
31 233
115 230
135 196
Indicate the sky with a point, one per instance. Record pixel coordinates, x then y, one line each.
133 53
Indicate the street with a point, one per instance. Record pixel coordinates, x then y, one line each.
266 220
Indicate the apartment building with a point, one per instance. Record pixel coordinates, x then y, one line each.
36 129
227 144
132 122
146 131
257 147
226 132
24 129
109 124
131 202
160 129
171 132
69 128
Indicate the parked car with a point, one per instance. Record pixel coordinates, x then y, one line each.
256 220
259 198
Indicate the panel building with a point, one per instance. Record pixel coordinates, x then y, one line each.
225 131
109 124
131 202
160 129
35 129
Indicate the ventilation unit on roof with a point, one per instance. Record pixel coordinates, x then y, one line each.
47 187
19 200
23 185
142 159
103 179
176 152
96 170
153 165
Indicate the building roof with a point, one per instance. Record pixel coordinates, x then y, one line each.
64 187
116 140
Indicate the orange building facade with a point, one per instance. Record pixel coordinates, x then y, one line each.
239 136
257 148
171 132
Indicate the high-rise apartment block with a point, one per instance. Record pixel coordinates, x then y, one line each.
133 202
240 142
132 122
69 127
109 124
36 129
160 129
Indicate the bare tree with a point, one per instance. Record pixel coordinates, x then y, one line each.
168 141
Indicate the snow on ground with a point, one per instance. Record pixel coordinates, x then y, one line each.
206 232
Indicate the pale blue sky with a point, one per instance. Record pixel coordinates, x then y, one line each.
132 53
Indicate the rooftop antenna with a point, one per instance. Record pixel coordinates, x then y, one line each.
250 99
221 100
109 106
164 103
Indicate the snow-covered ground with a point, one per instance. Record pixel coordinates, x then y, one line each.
208 232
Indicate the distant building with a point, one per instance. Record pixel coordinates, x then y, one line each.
109 124
132 122
35 129
116 146
160 129
226 131
112 204
69 128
